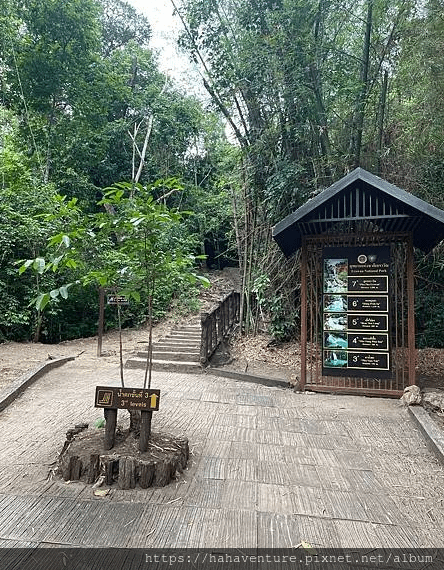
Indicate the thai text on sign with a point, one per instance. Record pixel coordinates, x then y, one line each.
127 398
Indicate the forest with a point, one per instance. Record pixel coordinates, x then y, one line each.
113 176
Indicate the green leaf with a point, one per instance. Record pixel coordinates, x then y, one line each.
41 301
55 263
134 295
99 423
137 221
64 291
39 265
202 280
71 263
25 266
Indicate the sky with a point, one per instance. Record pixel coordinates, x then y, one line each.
165 30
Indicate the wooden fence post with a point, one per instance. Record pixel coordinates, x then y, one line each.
204 338
145 429
110 427
101 320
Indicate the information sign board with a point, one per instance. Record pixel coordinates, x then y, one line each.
356 311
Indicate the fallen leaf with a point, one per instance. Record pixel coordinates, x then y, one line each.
101 492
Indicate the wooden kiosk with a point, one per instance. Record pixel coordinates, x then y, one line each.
356 243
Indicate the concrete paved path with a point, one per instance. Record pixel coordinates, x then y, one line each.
269 468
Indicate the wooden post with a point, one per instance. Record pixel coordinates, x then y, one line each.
164 472
94 468
145 429
109 470
214 320
204 338
146 473
411 312
73 469
101 320
110 427
303 314
127 472
219 324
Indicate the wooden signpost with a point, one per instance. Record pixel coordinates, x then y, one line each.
110 300
112 399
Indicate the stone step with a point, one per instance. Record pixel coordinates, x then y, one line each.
159 365
173 355
174 340
179 351
183 336
170 340
173 346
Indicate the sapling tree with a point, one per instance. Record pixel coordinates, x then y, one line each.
144 230
132 245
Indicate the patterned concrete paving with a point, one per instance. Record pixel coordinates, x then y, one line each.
269 468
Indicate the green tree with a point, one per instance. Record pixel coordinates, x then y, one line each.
122 24
303 87
24 202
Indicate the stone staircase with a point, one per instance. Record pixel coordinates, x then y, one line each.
179 351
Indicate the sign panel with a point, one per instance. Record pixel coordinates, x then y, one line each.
117 300
367 322
362 303
368 341
356 311
368 284
355 341
368 360
127 398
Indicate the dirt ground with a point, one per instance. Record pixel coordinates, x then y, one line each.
247 354
17 358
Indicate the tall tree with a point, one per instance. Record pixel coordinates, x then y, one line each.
302 86
121 23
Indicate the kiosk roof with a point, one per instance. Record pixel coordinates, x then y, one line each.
362 197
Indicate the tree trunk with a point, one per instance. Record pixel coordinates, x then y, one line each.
363 91
381 118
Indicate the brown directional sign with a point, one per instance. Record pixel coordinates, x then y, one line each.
127 398
117 300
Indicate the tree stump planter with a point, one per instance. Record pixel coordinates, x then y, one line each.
84 458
